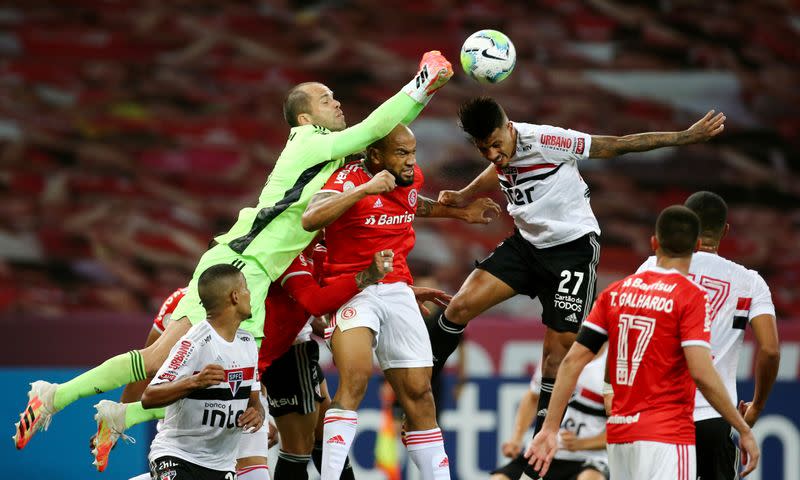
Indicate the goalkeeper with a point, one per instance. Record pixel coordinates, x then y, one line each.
265 238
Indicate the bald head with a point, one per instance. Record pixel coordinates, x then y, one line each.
397 153
297 102
400 134
312 103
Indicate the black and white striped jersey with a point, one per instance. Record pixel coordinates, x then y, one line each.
546 195
201 428
736 295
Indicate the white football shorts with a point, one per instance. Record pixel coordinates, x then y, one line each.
256 444
391 312
652 460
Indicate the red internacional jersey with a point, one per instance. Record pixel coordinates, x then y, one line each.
294 298
285 317
167 308
649 318
374 223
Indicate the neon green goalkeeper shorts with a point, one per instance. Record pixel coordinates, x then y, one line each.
257 282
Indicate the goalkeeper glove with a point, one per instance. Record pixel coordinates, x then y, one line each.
434 72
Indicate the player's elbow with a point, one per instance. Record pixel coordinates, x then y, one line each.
148 401
770 353
310 221
700 376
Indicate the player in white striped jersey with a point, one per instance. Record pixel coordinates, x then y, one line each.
737 296
554 251
582 441
209 384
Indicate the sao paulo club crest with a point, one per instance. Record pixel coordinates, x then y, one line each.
235 378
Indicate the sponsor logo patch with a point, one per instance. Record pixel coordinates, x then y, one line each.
580 145
556 141
337 439
179 358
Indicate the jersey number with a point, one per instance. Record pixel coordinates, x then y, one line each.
717 290
518 196
566 276
628 362
229 476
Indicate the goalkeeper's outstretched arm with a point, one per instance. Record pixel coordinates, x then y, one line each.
403 107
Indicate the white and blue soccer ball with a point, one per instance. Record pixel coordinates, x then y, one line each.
488 56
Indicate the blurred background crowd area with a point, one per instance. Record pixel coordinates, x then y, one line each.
131 131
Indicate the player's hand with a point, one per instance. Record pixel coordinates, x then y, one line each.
541 450
439 69
608 401
382 182
434 72
425 294
318 326
707 127
482 210
209 376
382 264
273 437
749 452
251 420
569 441
452 198
749 412
511 448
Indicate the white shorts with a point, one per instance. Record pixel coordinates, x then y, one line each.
256 444
391 312
651 460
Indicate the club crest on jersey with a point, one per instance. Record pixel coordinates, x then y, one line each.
348 313
348 185
412 197
235 379
168 475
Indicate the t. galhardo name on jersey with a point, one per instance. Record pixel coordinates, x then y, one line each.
643 300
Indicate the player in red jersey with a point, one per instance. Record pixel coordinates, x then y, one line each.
658 327
366 206
289 358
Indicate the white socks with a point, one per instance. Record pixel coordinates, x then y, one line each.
337 437
426 449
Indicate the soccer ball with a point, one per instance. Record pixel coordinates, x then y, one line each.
488 56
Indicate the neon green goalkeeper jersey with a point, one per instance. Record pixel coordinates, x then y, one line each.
271 232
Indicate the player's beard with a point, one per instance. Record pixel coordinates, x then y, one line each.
403 182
